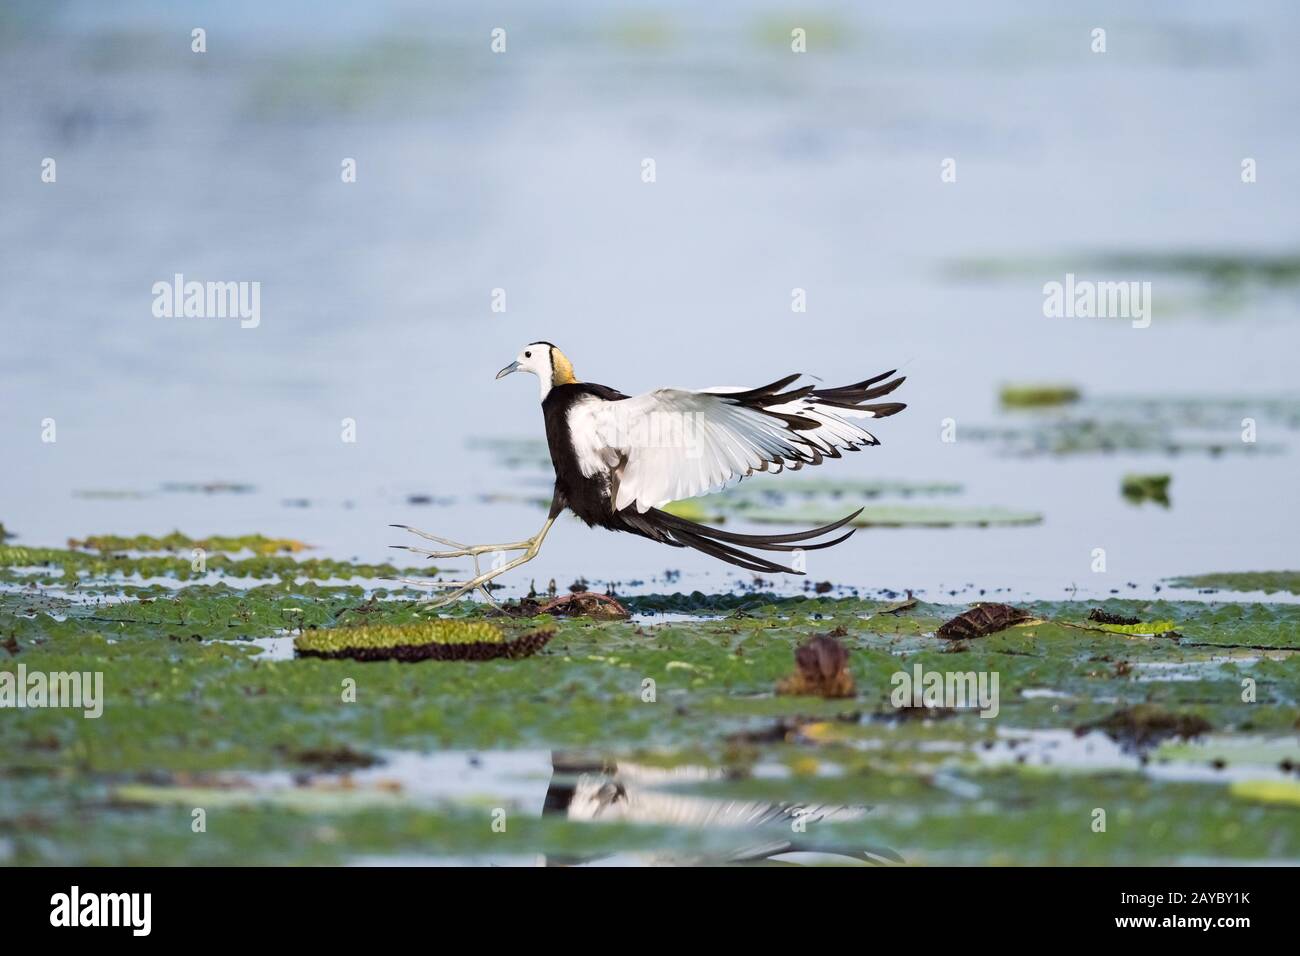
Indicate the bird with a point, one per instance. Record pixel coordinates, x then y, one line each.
618 459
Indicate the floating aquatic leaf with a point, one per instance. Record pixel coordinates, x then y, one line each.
1266 581
1218 269
1103 617
760 501
759 488
1037 396
1150 629
899 606
982 620
1282 753
1169 425
1278 792
1145 724
313 800
444 640
599 607
209 487
176 541
899 516
1139 488
105 565
702 510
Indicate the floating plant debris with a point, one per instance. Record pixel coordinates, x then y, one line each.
259 544
1278 792
709 510
897 607
331 759
824 502
1140 629
101 565
1038 396
209 487
1103 617
601 607
758 490
982 620
821 669
581 603
1217 269
900 516
1139 488
1145 724
420 641
1266 581
1168 425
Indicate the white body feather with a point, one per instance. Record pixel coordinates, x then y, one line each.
676 443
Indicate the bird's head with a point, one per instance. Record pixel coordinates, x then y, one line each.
551 366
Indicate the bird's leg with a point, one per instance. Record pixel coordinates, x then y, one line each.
462 550
487 595
458 589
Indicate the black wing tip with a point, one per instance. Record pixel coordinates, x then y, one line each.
767 394
673 523
727 544
885 409
852 396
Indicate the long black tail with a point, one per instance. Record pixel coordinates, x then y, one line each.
682 533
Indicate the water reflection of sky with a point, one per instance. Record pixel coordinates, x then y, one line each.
521 172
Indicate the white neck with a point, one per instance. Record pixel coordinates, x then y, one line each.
545 381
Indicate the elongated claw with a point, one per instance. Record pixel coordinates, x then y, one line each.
425 583
432 554
458 589
462 550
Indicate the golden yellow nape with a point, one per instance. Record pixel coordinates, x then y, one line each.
561 368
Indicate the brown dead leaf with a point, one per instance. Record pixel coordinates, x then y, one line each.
981 621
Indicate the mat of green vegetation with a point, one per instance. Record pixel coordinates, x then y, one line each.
1266 581
195 713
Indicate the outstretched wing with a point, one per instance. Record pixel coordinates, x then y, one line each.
676 443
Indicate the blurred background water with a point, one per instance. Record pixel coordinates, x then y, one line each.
522 171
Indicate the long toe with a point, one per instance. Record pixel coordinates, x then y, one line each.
463 553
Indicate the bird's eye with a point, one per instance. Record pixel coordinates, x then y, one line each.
528 355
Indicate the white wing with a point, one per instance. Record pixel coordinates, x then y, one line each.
675 443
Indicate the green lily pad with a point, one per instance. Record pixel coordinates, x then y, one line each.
259 544
1139 488
1038 396
784 486
899 516
1279 792
1145 629
1215 268
441 640
311 800
1266 581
